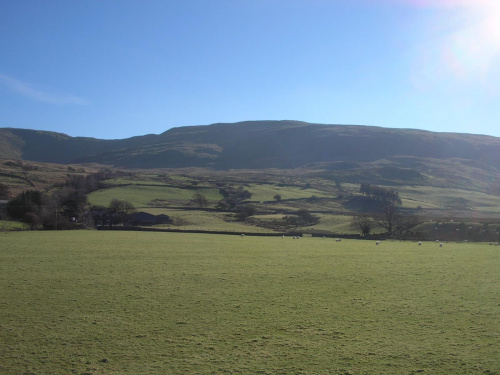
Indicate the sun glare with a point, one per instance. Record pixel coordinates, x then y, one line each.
467 45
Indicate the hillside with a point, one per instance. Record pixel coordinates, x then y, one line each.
346 152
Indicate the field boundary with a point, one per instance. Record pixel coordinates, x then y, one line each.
239 233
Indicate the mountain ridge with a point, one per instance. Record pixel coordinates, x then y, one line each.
282 144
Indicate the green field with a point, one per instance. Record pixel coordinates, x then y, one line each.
12 225
92 302
265 192
141 196
205 220
433 197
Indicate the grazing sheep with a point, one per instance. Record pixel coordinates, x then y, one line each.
338 239
242 235
491 243
440 245
377 243
420 244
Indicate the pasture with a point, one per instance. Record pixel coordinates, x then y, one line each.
92 302
142 196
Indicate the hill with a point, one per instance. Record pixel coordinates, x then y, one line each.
345 152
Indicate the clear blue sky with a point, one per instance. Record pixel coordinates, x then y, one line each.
120 68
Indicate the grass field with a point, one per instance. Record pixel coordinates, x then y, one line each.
265 192
141 196
432 197
12 225
205 220
92 302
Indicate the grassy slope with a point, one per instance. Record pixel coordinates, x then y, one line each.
23 175
433 197
141 196
100 302
266 192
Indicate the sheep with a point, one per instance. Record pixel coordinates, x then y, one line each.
377 243
242 235
420 244
338 239
440 245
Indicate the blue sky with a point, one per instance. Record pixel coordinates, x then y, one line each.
121 68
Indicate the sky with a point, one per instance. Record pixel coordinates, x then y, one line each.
114 69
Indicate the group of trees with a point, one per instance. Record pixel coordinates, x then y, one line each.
4 191
380 194
388 216
232 197
63 208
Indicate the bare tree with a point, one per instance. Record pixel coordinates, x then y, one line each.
200 200
395 223
363 223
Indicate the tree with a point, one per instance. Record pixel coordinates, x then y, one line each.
121 208
200 200
277 197
391 219
234 196
243 212
27 201
4 191
365 189
363 223
306 217
32 219
339 186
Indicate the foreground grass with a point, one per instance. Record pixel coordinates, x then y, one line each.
112 303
